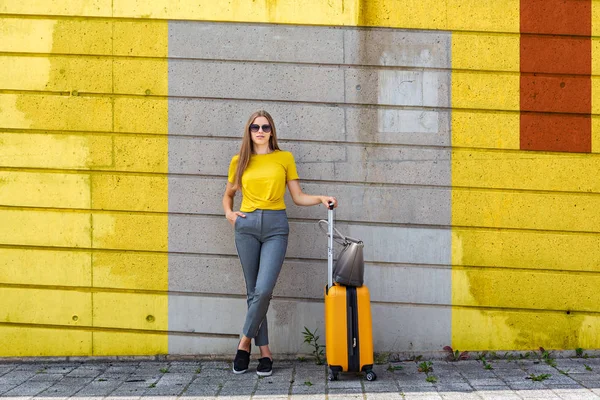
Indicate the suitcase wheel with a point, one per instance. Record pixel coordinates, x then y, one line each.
333 376
371 376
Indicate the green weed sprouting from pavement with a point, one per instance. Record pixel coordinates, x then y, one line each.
455 355
312 339
308 383
381 358
580 354
198 370
563 372
152 385
302 359
431 379
547 357
426 367
487 365
587 367
393 368
164 370
539 378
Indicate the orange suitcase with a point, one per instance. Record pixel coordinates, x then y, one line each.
348 326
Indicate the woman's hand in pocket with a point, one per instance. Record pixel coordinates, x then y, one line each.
233 215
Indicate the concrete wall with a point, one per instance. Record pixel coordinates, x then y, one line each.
480 231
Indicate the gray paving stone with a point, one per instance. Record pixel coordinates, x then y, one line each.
28 389
6 387
384 396
459 396
315 396
579 394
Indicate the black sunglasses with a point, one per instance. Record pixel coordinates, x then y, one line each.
255 127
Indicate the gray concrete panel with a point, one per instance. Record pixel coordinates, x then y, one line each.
398 87
306 279
319 161
395 327
395 47
376 124
247 80
254 42
358 203
214 235
209 117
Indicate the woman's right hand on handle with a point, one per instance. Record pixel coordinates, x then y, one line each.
233 215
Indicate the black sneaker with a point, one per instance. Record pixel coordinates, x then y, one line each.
241 361
265 366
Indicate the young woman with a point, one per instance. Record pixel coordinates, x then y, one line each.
261 171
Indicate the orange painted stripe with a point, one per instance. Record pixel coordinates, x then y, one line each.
556 75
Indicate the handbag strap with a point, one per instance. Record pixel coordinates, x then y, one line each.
337 234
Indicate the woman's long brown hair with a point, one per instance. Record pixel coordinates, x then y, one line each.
247 147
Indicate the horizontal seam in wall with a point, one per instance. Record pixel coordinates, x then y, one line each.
281 101
263 23
301 64
95 172
486 268
121 330
296 219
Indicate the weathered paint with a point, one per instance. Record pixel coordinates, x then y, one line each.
84 127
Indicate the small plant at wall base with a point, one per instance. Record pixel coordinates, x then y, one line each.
547 357
456 355
538 378
425 366
312 339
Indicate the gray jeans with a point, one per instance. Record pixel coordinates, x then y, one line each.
261 241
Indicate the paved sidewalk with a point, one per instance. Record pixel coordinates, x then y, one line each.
571 378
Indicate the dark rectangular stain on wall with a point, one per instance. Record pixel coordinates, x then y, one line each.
556 86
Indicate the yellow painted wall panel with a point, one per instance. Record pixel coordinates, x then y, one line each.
595 95
141 76
96 8
46 306
129 193
44 190
508 288
415 14
484 15
26 341
526 249
335 12
521 210
56 73
131 311
142 153
485 52
596 51
525 170
595 135
36 35
128 231
479 330
496 130
45 267
487 91
75 113
595 18
141 115
55 150
45 228
129 343
141 38
131 270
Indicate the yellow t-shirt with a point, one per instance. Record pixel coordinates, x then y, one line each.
264 180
